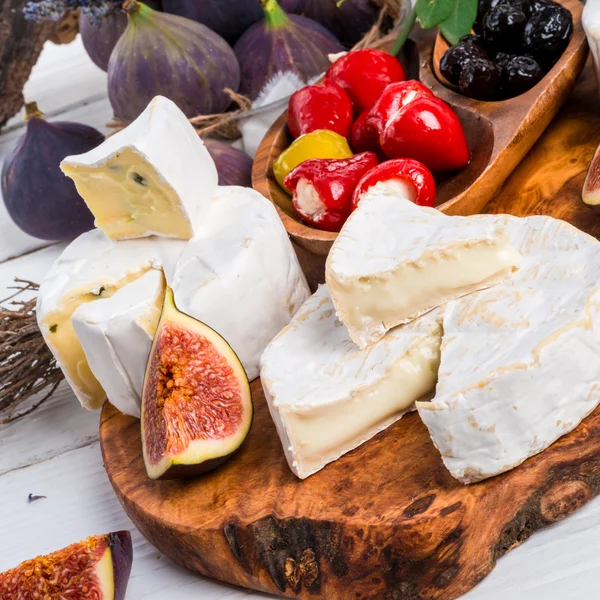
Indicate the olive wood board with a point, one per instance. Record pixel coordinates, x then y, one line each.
386 521
499 135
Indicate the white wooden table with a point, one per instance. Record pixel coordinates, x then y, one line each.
55 451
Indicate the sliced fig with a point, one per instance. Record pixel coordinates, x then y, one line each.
196 403
98 568
591 185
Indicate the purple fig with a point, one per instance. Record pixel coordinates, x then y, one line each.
234 166
349 21
167 55
38 197
230 19
282 42
227 18
100 37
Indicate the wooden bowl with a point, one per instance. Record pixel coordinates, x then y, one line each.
499 134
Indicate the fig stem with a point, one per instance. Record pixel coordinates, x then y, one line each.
32 111
275 16
131 6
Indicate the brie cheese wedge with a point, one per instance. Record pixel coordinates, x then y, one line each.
327 396
394 260
155 177
520 362
240 274
90 268
116 334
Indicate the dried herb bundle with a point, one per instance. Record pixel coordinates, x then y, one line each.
27 366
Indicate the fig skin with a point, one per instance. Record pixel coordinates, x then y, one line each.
233 165
183 433
348 22
100 38
280 43
42 576
38 197
229 19
167 55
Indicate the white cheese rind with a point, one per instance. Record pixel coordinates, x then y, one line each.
328 397
520 363
240 274
116 334
393 261
178 176
90 268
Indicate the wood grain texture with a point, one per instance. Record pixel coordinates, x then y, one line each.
499 135
386 521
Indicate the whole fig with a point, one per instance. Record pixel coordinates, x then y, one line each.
349 21
233 165
101 36
229 19
167 55
38 197
279 43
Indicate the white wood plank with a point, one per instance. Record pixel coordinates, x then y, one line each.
64 76
60 424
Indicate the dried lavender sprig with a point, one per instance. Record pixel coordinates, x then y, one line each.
54 10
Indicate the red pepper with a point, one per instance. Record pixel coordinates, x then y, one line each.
428 130
367 129
323 188
364 74
412 175
324 106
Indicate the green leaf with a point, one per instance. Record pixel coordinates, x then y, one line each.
460 22
432 12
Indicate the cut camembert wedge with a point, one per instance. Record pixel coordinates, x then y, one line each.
116 334
155 177
394 261
328 397
520 362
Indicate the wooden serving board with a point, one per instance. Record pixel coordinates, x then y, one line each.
386 521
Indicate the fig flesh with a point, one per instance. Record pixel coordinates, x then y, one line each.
233 165
196 403
167 55
591 185
99 38
38 197
98 568
281 43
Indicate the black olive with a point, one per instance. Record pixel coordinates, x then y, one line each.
480 79
502 58
548 33
456 58
485 5
519 74
472 39
536 5
503 28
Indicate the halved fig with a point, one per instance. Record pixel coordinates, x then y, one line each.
98 568
196 403
591 186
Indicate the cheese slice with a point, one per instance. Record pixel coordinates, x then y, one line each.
394 260
155 177
90 268
116 334
520 363
327 396
240 274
